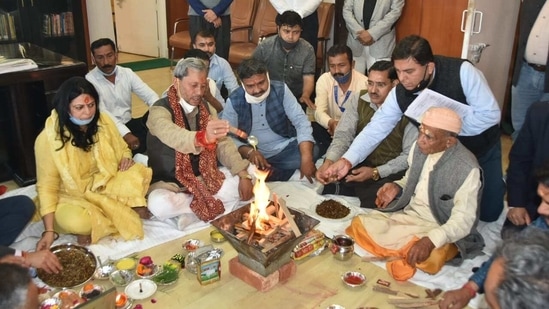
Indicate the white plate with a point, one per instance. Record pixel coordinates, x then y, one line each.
351 214
148 288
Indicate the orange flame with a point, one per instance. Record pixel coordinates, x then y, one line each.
258 208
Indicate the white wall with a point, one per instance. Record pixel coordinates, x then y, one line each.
100 22
101 25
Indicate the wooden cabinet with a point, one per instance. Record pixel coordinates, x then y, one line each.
57 25
25 102
437 21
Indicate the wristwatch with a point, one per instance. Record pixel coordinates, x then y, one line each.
375 174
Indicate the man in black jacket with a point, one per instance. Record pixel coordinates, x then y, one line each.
529 151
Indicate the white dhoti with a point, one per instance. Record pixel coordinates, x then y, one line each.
168 202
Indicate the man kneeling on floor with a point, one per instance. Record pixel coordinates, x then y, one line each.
432 212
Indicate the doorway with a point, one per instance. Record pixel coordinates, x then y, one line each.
136 27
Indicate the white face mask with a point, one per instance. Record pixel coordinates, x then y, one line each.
256 100
188 108
111 73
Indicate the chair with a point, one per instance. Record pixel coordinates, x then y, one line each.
242 17
263 26
180 39
325 19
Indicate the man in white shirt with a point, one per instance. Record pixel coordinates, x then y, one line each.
531 74
115 85
220 69
333 90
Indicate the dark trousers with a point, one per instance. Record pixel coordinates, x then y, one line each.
323 139
222 34
493 188
139 128
15 214
285 163
366 191
310 30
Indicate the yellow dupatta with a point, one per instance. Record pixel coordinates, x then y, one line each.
107 194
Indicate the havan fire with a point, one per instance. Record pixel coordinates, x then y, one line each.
268 223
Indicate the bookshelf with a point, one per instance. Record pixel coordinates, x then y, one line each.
57 25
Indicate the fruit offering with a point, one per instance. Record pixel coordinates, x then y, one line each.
145 266
121 300
90 290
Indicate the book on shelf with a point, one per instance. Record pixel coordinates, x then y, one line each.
61 24
7 26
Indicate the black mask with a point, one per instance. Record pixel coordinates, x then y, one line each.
287 45
422 85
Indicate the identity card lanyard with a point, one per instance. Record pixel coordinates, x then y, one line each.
336 94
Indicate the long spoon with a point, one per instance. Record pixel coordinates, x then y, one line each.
253 141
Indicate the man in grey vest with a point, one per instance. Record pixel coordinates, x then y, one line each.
428 217
387 162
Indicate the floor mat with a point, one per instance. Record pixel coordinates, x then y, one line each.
147 64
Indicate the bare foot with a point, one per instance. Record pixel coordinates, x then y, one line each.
143 212
83 240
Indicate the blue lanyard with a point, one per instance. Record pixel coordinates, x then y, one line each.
336 94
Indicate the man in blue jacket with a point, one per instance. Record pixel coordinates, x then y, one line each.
268 110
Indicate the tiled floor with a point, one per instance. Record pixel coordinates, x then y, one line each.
160 79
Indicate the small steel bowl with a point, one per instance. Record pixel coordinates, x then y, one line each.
342 247
103 272
216 236
191 245
127 263
121 277
353 279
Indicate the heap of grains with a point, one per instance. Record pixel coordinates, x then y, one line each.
332 209
77 268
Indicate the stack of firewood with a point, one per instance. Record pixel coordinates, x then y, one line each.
278 228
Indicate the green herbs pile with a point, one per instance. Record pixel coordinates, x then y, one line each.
168 274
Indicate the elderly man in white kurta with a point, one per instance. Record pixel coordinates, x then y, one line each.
429 217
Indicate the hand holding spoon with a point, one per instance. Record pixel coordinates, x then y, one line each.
253 141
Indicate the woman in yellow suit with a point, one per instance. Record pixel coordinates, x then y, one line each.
87 182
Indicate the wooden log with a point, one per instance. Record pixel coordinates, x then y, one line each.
274 220
279 212
404 302
387 290
271 209
252 232
290 218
